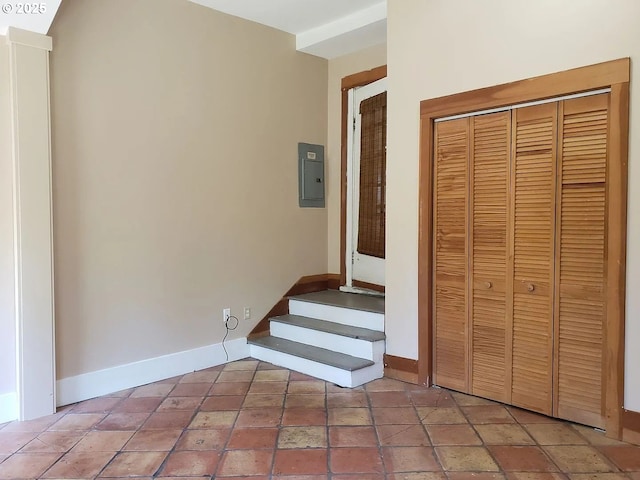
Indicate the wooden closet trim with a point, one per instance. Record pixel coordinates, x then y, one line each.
356 80
615 75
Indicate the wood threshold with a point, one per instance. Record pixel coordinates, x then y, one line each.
356 80
615 75
367 285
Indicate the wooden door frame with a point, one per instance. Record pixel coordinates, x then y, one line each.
615 75
356 80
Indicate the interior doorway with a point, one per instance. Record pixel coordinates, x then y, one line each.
363 200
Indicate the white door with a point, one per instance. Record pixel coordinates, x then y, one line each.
366 164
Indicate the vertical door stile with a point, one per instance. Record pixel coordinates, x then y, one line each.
552 270
508 288
434 259
615 257
605 365
557 259
556 209
469 254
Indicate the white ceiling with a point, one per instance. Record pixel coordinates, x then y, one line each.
36 22
326 28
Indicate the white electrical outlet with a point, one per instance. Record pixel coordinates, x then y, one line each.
226 313
247 313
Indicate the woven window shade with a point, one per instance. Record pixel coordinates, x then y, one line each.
373 165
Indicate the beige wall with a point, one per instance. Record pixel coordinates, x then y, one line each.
175 133
338 69
443 47
7 301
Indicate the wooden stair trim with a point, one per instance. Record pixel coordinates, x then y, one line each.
401 368
631 426
306 284
370 286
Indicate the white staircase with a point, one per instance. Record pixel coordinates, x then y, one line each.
332 335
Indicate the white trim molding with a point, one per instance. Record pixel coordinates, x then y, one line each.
101 382
29 39
32 229
8 407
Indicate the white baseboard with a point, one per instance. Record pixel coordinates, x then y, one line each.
8 407
101 382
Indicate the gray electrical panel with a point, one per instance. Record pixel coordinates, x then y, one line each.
310 175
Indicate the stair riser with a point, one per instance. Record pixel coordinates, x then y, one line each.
344 316
373 351
335 375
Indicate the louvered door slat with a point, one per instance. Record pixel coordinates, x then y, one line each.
534 150
450 254
489 194
581 239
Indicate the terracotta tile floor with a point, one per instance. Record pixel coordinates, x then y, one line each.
252 420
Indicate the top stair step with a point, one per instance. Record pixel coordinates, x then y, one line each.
367 303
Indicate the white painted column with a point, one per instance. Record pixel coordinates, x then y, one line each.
29 71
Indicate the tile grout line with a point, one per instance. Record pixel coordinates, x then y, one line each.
375 430
327 431
224 450
115 455
546 454
193 416
279 427
473 427
424 427
598 448
93 429
544 447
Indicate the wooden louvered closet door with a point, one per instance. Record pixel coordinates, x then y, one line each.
490 337
533 207
520 255
580 259
450 254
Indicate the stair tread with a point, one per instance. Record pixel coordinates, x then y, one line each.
331 327
320 355
355 301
